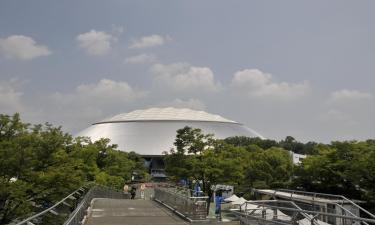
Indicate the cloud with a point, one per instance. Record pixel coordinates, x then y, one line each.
141 58
182 77
105 92
89 103
22 47
85 104
343 96
190 103
10 97
149 41
255 83
96 42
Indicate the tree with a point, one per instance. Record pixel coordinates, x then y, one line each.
271 168
241 141
237 161
340 168
291 144
187 160
200 157
35 167
41 164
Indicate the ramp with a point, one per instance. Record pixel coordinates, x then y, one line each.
129 212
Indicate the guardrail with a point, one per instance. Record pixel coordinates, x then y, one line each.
59 210
341 200
72 208
179 201
260 212
78 216
287 213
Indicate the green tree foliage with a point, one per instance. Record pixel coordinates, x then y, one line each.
200 157
188 160
289 143
41 164
345 168
241 141
270 168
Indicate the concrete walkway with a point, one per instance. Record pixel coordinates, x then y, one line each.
129 212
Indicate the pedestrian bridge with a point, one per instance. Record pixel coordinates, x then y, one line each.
101 205
169 205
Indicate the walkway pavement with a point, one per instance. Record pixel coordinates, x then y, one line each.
129 212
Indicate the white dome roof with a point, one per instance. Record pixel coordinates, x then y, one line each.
166 114
152 131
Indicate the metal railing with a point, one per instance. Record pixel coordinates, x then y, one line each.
289 213
181 202
61 209
261 212
78 216
72 208
340 200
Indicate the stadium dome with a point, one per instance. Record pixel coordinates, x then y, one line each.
152 131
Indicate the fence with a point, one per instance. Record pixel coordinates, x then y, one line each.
78 215
72 209
289 213
338 200
180 201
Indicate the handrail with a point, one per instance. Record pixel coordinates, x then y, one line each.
355 218
86 192
307 192
74 214
280 201
191 208
330 195
348 211
327 214
178 192
52 207
79 214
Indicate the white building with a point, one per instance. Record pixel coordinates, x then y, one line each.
152 131
297 158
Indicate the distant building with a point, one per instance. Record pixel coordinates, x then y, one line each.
152 131
297 158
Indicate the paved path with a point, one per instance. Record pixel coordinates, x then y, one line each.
129 212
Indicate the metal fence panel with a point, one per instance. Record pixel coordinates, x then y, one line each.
194 208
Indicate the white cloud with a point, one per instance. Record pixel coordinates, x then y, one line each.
179 103
22 47
343 96
105 92
89 103
10 97
149 41
96 42
255 83
183 77
141 58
